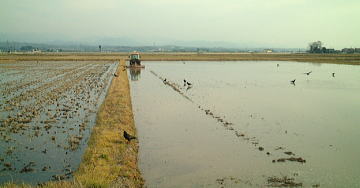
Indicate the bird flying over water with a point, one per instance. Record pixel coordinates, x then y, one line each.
308 73
293 81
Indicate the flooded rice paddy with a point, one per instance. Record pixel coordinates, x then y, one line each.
47 110
244 124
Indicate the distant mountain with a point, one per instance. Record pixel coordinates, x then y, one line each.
14 41
58 39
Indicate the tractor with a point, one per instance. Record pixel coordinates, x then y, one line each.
135 59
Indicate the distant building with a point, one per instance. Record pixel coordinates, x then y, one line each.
35 51
348 50
268 51
330 51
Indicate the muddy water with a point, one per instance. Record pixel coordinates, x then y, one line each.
238 123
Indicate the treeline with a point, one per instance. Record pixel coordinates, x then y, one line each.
317 47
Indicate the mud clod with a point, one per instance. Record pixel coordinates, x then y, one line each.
282 182
293 159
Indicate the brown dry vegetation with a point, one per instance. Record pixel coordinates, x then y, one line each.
109 160
353 59
316 58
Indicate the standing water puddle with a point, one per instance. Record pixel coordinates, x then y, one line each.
243 124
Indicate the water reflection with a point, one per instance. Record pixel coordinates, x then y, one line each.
135 74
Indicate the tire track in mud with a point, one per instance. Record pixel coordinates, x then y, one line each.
288 155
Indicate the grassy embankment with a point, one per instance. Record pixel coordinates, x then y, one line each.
109 160
353 59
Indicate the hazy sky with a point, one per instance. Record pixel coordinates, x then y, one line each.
272 23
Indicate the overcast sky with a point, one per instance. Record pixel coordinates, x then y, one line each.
272 23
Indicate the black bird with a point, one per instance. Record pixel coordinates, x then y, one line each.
188 83
308 73
165 81
293 81
184 82
128 137
333 74
116 75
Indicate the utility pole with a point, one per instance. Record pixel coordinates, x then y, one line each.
7 46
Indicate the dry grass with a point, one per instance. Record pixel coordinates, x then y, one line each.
353 59
109 160
316 58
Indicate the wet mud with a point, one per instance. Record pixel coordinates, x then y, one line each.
47 110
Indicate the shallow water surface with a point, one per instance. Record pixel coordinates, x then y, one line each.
240 120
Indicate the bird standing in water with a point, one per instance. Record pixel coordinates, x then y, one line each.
333 74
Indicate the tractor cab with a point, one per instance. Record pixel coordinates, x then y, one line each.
135 59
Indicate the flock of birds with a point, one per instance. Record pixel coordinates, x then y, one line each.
186 83
307 73
129 137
